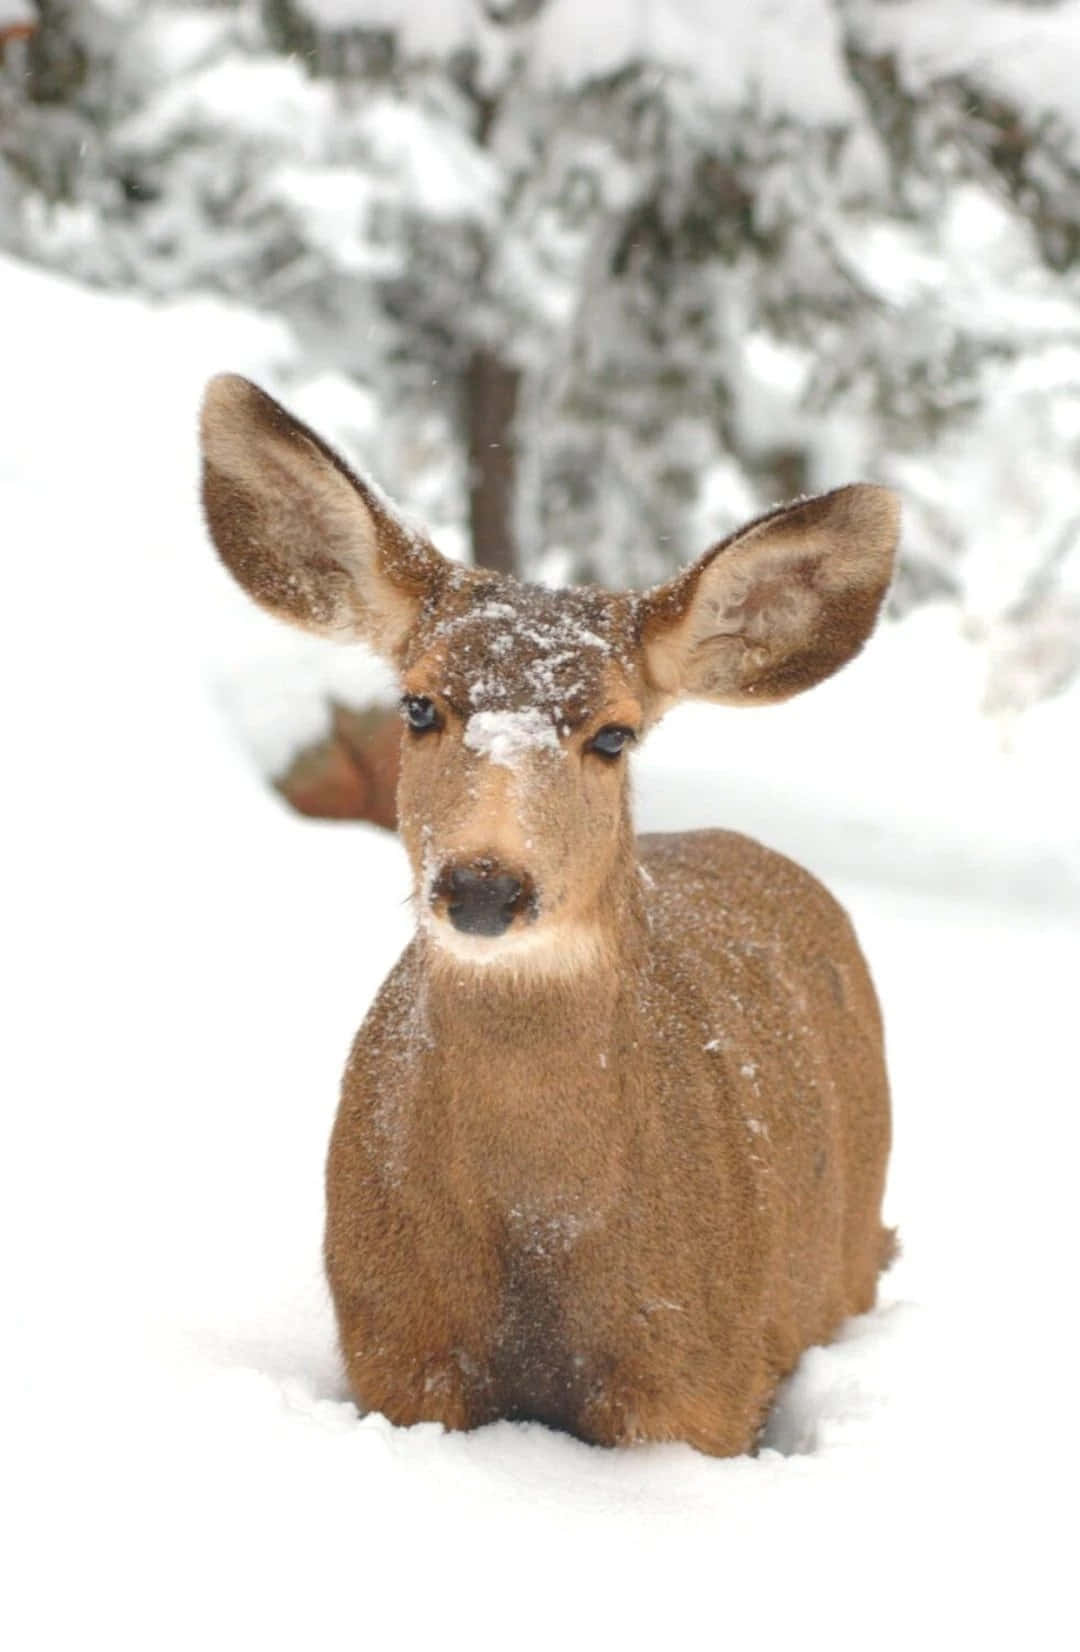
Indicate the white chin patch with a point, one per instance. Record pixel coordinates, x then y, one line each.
546 948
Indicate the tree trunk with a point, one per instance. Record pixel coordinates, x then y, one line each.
491 390
56 60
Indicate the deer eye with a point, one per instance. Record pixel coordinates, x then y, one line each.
420 713
609 741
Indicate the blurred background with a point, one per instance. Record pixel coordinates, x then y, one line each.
584 284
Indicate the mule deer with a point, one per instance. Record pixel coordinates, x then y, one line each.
612 1140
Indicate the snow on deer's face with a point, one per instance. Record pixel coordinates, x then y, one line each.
520 704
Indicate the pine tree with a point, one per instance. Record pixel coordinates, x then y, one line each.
603 294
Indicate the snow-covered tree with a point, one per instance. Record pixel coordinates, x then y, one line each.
591 282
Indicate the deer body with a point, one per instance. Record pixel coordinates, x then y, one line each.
612 1140
532 1213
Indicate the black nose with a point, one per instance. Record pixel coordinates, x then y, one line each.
482 902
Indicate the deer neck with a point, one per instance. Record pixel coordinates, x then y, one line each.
513 1053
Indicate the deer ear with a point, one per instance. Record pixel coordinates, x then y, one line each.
305 537
777 607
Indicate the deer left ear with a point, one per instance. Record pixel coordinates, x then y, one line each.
779 606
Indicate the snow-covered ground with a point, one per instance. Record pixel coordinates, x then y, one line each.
187 963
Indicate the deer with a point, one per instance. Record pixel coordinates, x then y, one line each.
612 1139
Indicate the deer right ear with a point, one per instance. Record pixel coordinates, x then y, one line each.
306 538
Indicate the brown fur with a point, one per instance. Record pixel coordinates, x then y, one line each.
779 605
616 1169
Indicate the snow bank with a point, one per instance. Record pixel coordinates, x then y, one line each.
891 772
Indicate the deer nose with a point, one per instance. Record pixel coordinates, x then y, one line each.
482 900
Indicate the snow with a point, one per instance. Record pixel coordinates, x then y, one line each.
188 965
439 170
268 102
890 773
1027 54
742 47
506 737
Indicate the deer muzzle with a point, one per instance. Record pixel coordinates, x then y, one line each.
483 897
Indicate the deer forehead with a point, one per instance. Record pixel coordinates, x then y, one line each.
521 657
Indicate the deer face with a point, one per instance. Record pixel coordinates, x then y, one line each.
520 703
520 706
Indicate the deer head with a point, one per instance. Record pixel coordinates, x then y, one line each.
522 703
